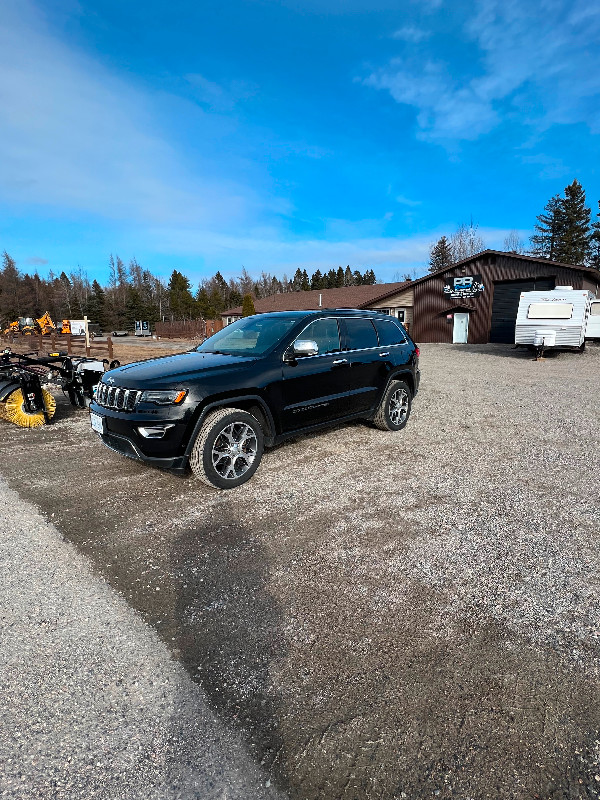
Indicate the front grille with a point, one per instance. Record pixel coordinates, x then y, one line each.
117 397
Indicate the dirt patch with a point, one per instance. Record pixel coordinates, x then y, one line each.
382 615
129 350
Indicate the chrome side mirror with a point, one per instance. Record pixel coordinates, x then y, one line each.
305 347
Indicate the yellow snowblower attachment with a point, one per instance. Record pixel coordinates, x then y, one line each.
13 409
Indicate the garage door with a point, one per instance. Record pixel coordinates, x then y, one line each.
506 305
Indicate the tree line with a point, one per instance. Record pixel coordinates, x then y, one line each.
563 232
133 292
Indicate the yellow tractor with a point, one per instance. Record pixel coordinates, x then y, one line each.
45 325
25 325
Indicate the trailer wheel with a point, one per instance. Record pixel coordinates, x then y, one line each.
14 411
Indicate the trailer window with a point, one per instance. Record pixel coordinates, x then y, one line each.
595 310
550 311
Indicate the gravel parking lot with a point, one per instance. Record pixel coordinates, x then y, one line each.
379 615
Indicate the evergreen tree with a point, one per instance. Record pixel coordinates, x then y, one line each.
357 278
96 305
545 241
574 242
235 299
369 278
217 304
203 304
316 281
248 306
11 290
594 257
305 285
440 255
180 298
339 277
297 280
134 306
348 278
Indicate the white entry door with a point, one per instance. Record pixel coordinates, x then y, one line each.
461 329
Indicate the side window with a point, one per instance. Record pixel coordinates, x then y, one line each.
389 333
360 333
325 333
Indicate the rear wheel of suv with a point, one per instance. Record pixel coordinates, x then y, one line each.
394 409
228 448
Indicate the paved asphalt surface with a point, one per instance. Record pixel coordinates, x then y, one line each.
378 616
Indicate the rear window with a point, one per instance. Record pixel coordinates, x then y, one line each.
360 334
550 311
389 332
595 310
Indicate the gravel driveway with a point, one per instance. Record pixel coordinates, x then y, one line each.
92 704
380 615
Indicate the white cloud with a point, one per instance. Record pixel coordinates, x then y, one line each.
218 96
266 249
406 201
74 136
411 34
540 59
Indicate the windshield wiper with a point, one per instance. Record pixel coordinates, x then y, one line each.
225 353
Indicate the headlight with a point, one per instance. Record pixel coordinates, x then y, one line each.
166 398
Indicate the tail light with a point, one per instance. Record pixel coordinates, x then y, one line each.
417 351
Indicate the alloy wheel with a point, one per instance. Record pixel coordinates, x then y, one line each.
234 450
398 406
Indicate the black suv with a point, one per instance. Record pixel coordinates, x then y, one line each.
256 382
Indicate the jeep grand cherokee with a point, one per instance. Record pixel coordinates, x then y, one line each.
254 383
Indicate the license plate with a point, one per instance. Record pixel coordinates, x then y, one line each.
97 422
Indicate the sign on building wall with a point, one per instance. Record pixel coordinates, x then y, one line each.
463 287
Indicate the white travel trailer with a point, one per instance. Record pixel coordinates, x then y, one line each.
555 319
592 330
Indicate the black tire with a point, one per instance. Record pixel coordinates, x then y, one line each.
217 459
394 409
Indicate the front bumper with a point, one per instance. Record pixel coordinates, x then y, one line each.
126 447
120 432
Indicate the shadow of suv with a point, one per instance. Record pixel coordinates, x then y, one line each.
253 384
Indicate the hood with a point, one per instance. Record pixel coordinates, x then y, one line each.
169 370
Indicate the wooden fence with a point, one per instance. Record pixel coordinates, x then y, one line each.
190 329
55 342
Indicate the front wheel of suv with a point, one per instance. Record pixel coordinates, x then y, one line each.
228 448
394 409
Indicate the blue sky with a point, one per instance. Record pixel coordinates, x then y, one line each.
300 133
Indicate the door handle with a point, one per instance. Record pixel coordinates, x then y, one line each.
339 361
382 355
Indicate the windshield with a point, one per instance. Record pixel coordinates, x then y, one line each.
251 336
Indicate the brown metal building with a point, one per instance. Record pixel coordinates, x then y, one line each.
476 300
